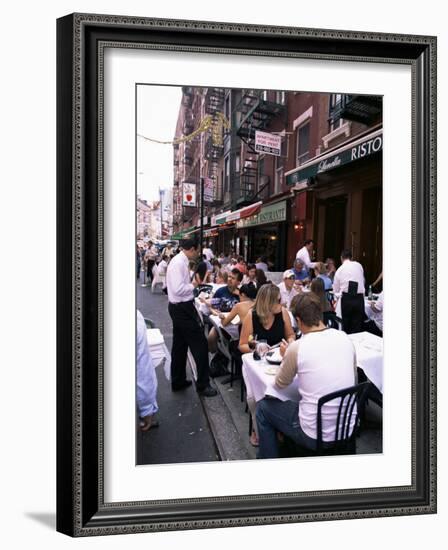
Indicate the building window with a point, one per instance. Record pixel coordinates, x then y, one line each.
303 143
226 175
260 168
336 104
237 162
278 179
227 108
280 97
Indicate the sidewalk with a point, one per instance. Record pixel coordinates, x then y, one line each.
184 433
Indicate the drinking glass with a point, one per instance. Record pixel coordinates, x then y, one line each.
262 348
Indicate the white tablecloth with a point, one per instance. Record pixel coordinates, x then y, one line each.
160 354
259 383
231 329
369 356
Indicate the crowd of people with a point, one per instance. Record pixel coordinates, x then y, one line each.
302 314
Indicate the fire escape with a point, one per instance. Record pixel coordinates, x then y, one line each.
365 109
256 111
214 104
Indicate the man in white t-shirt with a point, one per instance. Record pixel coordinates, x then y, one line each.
287 290
324 361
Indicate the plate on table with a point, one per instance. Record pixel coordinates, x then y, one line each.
271 370
274 357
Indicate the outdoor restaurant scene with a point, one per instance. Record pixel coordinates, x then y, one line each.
258 274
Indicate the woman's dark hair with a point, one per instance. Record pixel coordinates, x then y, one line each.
318 288
249 290
251 266
237 274
261 277
201 270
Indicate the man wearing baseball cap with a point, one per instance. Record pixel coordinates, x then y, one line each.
287 290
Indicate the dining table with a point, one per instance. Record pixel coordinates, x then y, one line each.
259 375
369 356
158 350
232 329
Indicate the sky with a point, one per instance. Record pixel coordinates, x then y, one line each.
157 111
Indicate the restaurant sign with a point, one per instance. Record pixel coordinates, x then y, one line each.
359 150
270 213
268 143
188 194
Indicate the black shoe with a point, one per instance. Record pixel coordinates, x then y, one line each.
180 387
208 391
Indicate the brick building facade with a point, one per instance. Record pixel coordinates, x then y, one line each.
326 184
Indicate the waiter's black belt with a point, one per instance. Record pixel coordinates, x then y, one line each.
181 303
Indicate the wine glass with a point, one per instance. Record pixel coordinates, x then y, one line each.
262 348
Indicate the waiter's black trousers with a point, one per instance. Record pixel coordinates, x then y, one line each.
188 332
353 314
149 266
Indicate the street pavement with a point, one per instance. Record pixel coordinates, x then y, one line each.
184 433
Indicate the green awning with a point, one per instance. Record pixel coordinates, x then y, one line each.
356 150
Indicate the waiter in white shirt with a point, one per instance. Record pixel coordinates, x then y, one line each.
348 285
188 331
208 253
304 254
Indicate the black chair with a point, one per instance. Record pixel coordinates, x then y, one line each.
352 309
331 320
348 414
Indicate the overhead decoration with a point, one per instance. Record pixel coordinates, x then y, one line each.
216 124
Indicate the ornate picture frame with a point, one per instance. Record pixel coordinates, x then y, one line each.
81 508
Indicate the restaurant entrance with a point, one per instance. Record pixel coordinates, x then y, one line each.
269 241
331 226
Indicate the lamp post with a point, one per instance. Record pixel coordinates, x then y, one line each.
201 214
161 213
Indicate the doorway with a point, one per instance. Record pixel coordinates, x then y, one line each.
335 211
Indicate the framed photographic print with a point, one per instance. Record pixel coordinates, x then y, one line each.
234 202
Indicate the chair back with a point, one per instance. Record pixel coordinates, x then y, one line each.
351 401
331 320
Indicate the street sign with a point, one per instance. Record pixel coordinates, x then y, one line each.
268 143
188 194
209 190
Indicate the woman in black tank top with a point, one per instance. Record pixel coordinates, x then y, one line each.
272 335
269 320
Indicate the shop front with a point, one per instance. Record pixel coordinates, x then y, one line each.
344 201
264 234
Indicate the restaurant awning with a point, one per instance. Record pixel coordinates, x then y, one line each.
239 214
181 234
353 151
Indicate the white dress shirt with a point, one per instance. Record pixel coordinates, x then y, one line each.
349 271
207 252
286 295
304 256
146 374
178 281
